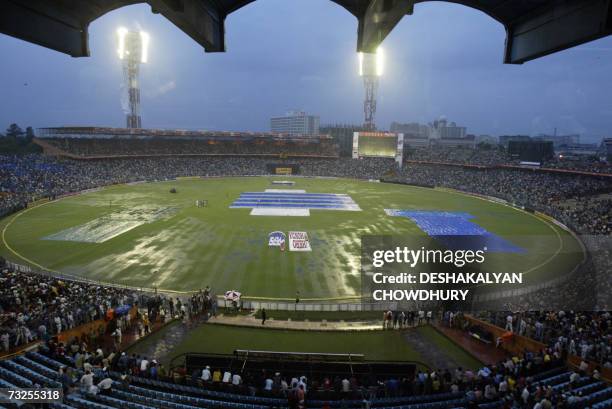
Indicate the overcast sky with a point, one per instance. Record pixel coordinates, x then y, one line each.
300 54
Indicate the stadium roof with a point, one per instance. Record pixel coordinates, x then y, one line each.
534 27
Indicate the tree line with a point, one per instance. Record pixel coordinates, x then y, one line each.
15 140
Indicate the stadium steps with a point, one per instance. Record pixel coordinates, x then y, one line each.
145 385
581 382
207 397
6 384
394 402
158 403
60 406
44 360
595 398
549 373
42 355
14 378
491 405
80 402
195 401
591 388
30 374
554 380
603 405
37 367
122 403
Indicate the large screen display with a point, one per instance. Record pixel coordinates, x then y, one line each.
374 144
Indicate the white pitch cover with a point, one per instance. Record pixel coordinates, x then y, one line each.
279 211
298 241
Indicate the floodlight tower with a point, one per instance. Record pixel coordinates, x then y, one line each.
133 50
370 69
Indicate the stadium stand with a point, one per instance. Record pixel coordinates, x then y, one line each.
90 380
36 308
105 142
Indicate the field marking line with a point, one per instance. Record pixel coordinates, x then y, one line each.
8 246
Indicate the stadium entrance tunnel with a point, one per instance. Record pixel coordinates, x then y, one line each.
534 29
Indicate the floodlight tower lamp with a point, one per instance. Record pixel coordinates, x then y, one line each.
371 67
121 34
144 40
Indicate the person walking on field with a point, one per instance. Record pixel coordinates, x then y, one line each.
263 316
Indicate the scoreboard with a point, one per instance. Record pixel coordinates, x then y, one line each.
283 168
378 144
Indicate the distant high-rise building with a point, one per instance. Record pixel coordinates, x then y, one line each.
605 150
442 129
342 135
413 129
295 123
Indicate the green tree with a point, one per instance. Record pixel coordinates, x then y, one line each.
14 131
17 141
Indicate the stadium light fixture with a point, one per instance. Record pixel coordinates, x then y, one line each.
371 64
133 50
144 39
360 64
121 33
380 61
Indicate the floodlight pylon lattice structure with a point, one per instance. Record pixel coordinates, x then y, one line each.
133 51
370 69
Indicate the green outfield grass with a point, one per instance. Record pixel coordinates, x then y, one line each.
174 245
375 345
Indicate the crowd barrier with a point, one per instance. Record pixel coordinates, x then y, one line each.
312 306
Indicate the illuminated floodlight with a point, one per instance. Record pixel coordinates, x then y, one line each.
371 67
380 61
121 33
133 50
144 46
361 64
371 64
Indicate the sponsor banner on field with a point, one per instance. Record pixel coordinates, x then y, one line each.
298 241
276 239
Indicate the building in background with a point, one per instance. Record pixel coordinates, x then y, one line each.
605 150
416 141
413 129
295 123
531 151
579 150
466 141
559 140
504 140
486 139
440 132
442 129
342 135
